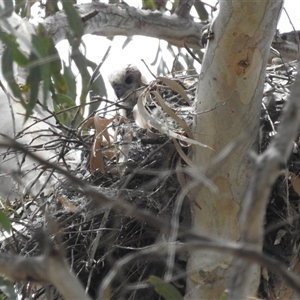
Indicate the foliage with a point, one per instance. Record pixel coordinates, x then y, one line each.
7 288
5 222
164 289
45 65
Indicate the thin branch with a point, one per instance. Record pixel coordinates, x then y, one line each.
249 255
117 205
193 240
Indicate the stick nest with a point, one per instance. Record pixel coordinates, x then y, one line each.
141 164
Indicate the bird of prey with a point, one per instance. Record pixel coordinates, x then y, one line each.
287 44
127 84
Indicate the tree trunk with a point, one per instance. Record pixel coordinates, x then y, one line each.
227 111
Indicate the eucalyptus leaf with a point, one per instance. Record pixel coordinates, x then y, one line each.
60 82
20 58
70 82
64 101
8 73
5 222
7 288
45 71
201 11
156 55
33 81
164 289
81 64
8 8
74 19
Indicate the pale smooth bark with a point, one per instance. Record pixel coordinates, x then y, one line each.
110 20
267 168
230 89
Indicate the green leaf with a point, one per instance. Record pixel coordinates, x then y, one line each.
8 9
64 101
7 287
20 58
224 296
74 19
202 12
19 6
8 73
81 64
33 81
5 222
97 88
60 82
41 44
70 82
8 39
175 5
164 289
149 4
51 7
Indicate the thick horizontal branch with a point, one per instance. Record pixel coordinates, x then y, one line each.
110 20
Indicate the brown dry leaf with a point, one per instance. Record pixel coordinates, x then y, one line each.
176 88
96 158
295 180
101 127
67 204
87 124
172 114
109 153
164 129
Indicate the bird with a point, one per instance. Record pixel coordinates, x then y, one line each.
127 83
287 45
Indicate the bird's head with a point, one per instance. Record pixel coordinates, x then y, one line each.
125 82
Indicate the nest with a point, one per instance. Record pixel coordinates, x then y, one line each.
94 237
149 177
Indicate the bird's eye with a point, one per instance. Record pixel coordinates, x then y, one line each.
129 79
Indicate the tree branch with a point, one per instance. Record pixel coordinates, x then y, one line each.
247 253
43 269
110 20
52 267
267 168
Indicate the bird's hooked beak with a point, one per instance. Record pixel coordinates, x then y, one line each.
119 90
